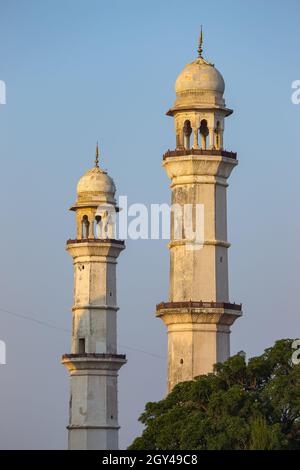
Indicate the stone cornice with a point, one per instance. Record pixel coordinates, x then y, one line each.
209 106
216 316
191 312
93 363
189 166
107 248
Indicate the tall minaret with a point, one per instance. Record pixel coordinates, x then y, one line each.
198 314
94 362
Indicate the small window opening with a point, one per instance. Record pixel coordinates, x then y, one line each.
81 345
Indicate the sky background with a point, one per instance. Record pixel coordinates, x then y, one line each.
77 72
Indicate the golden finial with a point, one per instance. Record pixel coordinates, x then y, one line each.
200 50
97 156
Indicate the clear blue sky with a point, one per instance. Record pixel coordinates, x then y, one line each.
87 70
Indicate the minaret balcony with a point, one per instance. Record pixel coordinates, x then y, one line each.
190 166
93 361
82 247
191 312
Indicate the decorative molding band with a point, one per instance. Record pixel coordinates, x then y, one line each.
73 427
198 179
223 243
94 307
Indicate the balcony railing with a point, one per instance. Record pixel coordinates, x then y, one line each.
192 151
94 356
191 304
96 240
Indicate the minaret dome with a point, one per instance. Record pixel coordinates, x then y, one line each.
201 83
95 186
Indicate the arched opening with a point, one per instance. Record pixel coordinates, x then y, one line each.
98 231
187 130
204 133
105 224
218 135
85 227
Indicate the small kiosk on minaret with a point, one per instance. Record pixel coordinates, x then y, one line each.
94 362
199 314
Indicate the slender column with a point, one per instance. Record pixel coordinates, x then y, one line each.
196 133
211 137
221 139
203 142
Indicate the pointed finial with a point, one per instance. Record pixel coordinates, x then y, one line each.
200 50
97 156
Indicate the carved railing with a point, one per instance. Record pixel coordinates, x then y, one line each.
96 240
192 151
95 356
200 304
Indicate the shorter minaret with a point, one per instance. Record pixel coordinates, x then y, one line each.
94 362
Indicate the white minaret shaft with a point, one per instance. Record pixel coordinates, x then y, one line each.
198 314
94 362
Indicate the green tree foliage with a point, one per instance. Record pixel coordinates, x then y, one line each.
254 405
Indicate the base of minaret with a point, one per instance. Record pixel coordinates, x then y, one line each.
93 421
198 336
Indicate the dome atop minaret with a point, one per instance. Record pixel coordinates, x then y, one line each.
95 186
199 84
200 76
95 181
